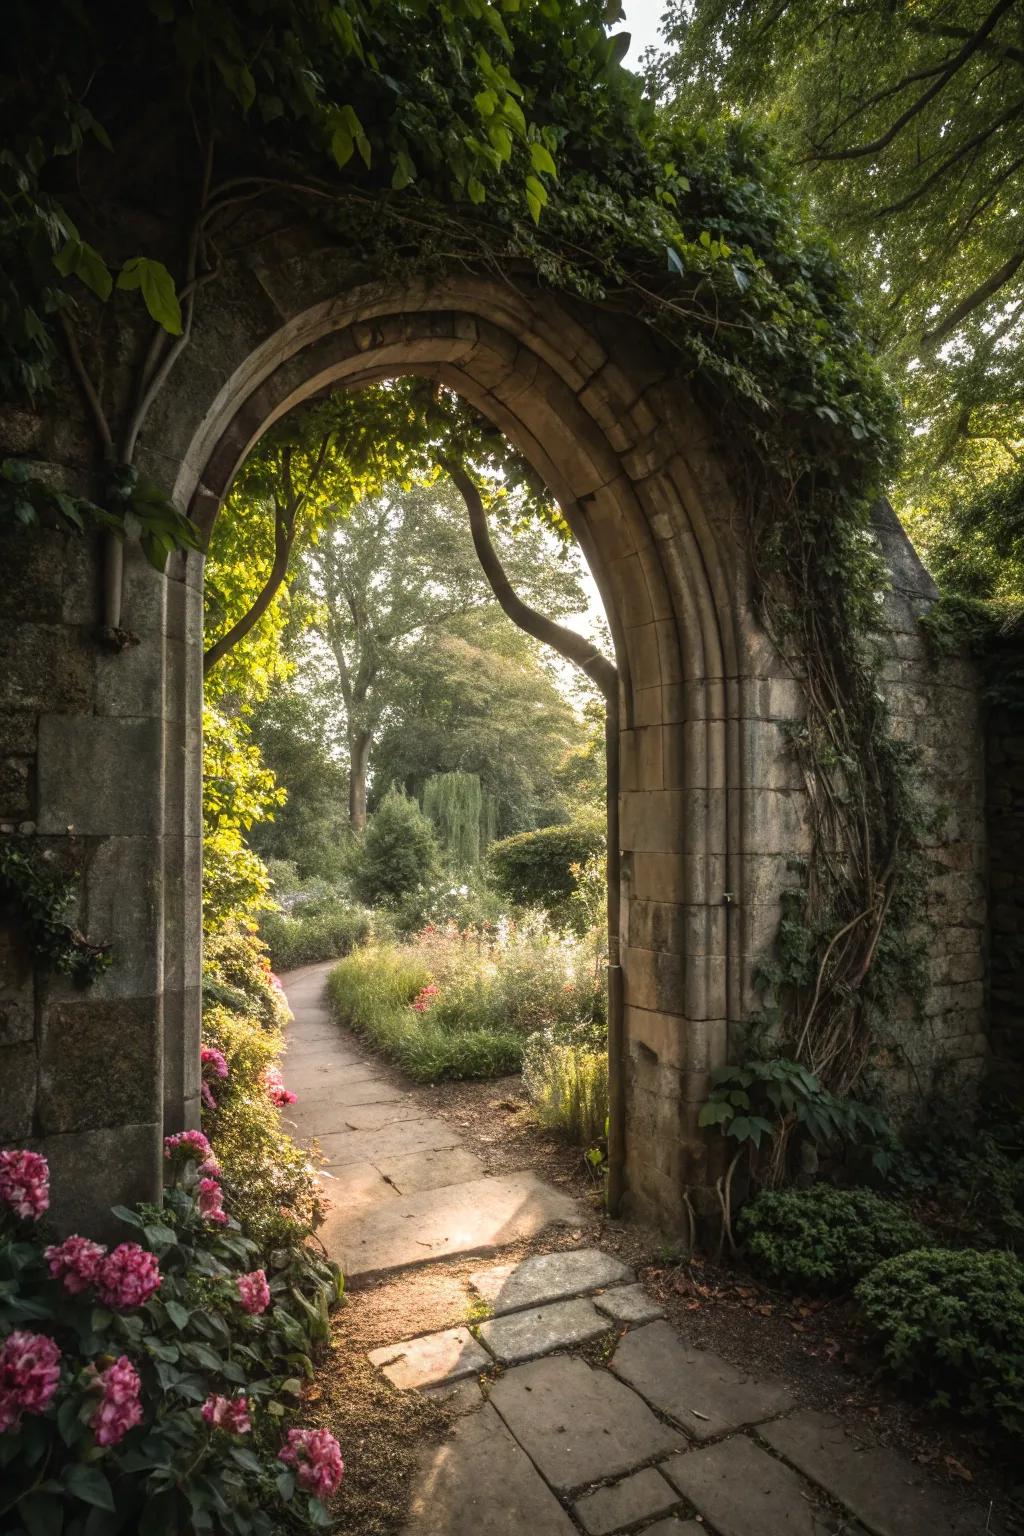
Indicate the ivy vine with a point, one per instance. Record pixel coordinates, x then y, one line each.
37 892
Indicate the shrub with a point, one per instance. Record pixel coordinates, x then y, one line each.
313 931
823 1239
566 1076
171 1365
952 1323
542 868
399 851
270 1178
236 972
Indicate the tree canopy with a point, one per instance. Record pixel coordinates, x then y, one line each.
904 125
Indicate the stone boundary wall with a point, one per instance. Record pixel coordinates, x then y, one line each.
1005 743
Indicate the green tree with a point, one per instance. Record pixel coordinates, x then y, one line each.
399 569
905 128
399 851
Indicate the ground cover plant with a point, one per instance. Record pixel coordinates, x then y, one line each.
462 1002
951 1324
824 1239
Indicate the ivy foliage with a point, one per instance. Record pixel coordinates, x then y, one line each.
38 891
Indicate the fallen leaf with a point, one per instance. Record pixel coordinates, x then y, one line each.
958 1469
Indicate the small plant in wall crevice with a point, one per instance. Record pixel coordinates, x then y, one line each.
37 889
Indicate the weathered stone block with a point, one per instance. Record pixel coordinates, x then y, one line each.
99 1064
18 1069
100 775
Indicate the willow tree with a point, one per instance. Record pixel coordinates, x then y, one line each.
454 802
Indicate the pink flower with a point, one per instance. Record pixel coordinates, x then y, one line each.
75 1261
254 1292
191 1145
231 1414
212 1059
275 982
210 1168
424 998
119 1408
127 1277
25 1183
316 1457
206 1094
279 1094
29 1373
210 1199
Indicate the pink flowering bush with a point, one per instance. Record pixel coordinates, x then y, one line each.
210 1199
214 1068
127 1378
29 1373
277 1093
119 1407
231 1414
254 1292
127 1277
24 1184
316 1458
187 1145
76 1262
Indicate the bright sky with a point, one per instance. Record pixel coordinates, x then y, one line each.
641 20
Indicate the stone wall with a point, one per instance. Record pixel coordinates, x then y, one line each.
92 771
1005 741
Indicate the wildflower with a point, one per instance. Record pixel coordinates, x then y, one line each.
75 1261
231 1414
127 1277
192 1145
424 998
274 1084
254 1292
316 1457
119 1408
275 982
210 1199
29 1373
25 1183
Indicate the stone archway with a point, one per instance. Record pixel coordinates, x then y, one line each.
712 811
704 834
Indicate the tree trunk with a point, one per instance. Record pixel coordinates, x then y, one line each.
359 744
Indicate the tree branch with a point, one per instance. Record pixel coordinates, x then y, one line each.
284 538
981 295
566 642
969 49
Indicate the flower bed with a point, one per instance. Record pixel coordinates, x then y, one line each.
146 1386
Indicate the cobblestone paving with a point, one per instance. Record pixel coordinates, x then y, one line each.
660 1438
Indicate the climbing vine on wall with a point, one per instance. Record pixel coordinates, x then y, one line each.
37 893
503 138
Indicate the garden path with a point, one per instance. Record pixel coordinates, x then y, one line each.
577 1407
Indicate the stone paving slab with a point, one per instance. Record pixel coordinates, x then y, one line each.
347 1092
674 1527
423 1135
524 1335
547 1277
635 1498
431 1170
886 1492
696 1388
578 1425
436 1223
431 1361
628 1304
744 1491
356 1185
319 1074
480 1483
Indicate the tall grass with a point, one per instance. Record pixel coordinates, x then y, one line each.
487 993
325 931
567 1081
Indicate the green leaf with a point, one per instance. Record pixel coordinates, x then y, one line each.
81 260
405 171
42 1514
485 102
475 189
158 291
178 1314
541 160
89 1484
501 139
